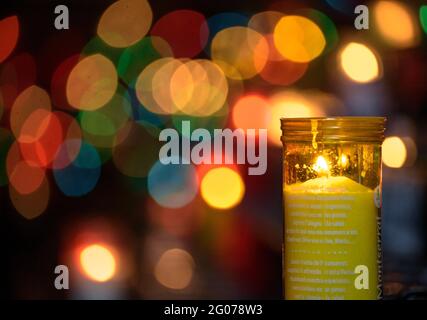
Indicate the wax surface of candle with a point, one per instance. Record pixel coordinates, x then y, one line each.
331 227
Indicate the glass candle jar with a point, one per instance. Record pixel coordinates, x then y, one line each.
332 203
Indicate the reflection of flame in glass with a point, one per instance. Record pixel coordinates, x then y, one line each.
344 161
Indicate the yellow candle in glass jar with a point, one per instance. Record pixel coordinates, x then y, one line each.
332 218
331 240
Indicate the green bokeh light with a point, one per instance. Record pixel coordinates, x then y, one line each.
423 17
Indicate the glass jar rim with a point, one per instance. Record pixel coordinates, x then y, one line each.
334 129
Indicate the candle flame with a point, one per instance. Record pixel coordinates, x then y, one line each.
321 166
344 161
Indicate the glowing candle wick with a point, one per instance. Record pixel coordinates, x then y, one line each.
321 166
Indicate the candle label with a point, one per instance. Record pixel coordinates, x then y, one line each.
331 240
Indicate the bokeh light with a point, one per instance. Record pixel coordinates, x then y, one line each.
290 104
199 88
98 263
423 17
279 70
161 90
26 103
16 74
82 174
186 31
91 83
299 39
100 127
175 269
58 83
31 205
97 46
135 58
251 111
396 23
360 63
222 188
265 22
125 22
25 177
241 52
71 131
394 152
166 184
145 90
9 34
40 137
210 123
222 21
326 24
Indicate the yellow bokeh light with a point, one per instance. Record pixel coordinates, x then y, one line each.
144 86
359 63
222 188
98 263
198 87
396 23
125 22
161 86
298 39
92 83
175 269
394 152
289 105
241 52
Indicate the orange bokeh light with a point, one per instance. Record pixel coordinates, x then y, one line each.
251 112
9 33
